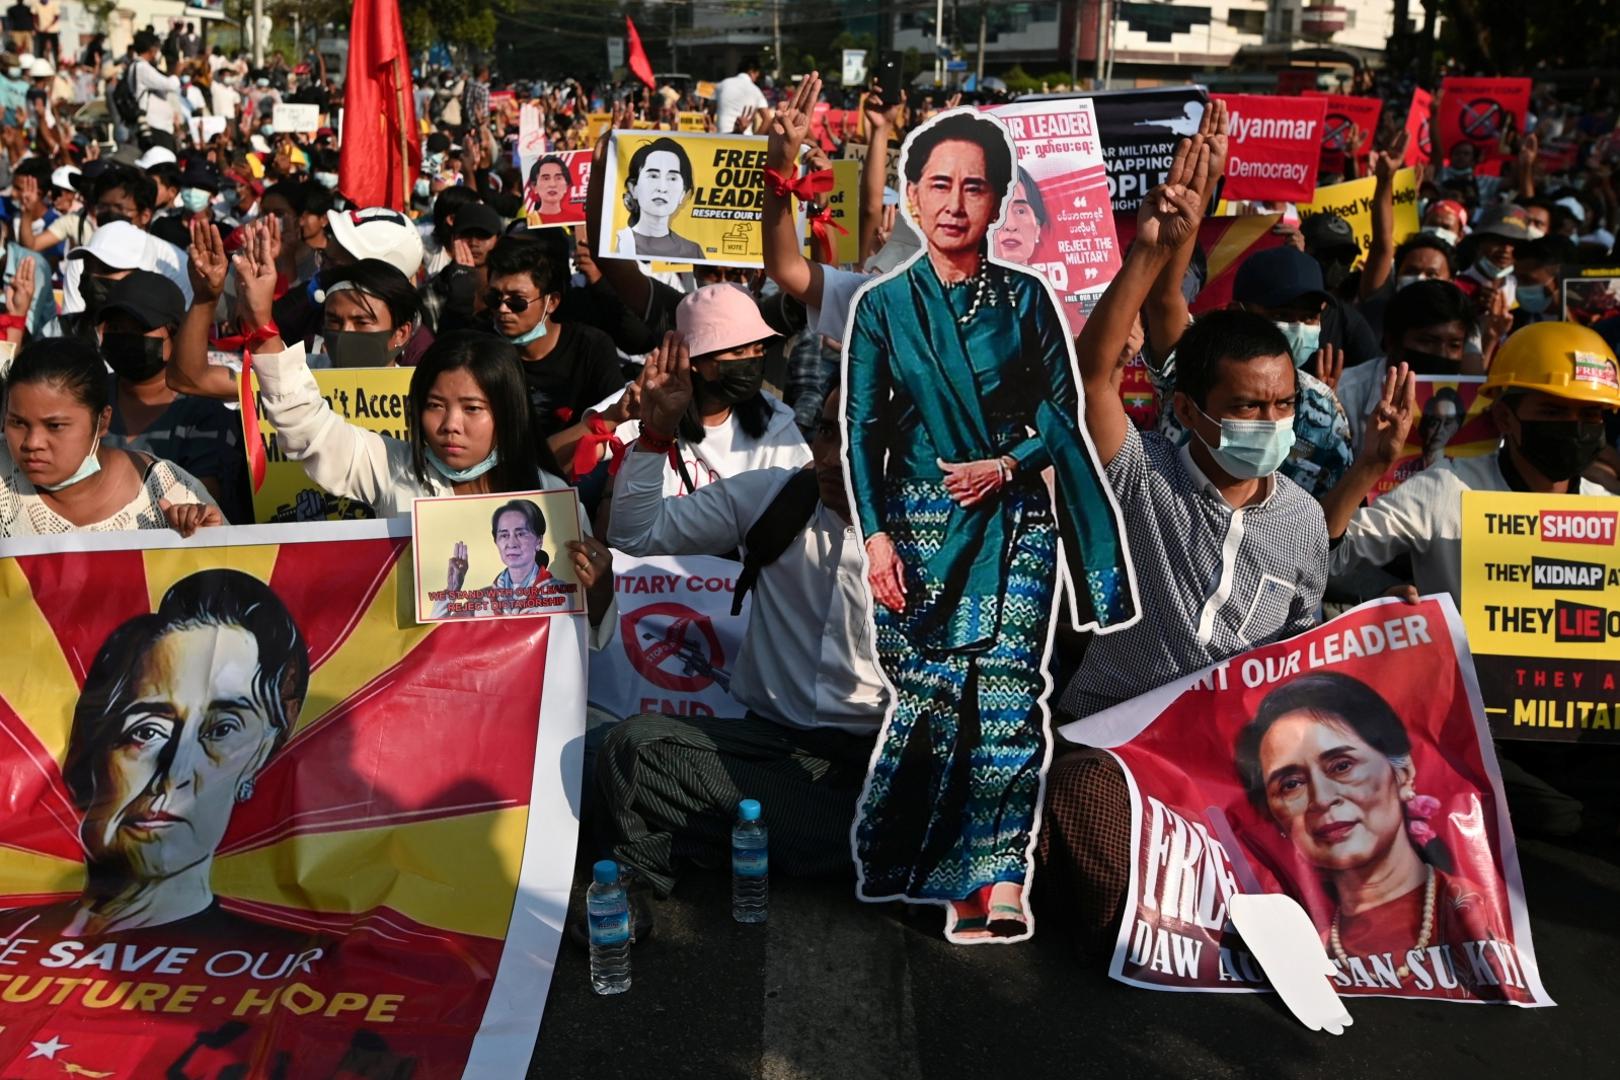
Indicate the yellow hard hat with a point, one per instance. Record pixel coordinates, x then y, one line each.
1557 358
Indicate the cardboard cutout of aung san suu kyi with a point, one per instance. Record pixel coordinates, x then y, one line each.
983 511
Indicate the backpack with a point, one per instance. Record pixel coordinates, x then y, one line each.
125 102
781 523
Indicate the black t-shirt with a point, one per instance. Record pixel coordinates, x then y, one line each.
579 372
21 18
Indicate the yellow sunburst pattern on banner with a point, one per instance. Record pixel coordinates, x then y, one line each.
382 635
453 868
420 870
35 679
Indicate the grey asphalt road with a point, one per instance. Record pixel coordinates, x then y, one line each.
830 989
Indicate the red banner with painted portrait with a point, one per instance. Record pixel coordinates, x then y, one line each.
554 188
1453 420
1350 768
257 821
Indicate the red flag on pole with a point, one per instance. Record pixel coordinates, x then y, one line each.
382 148
640 66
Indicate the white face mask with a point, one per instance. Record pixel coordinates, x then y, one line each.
1535 232
1444 234
1250 449
1303 340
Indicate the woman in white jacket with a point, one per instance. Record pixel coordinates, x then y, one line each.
467 416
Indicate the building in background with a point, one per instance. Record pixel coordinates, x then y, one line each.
1145 42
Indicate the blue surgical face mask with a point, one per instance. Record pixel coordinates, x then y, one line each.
195 200
227 198
423 189
1534 298
1489 270
461 476
527 336
87 468
13 72
1250 449
327 180
185 80
1303 340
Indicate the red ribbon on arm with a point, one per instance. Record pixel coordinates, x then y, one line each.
251 436
805 188
587 452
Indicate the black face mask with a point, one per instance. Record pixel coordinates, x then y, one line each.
359 348
738 381
134 357
1560 449
1427 363
94 291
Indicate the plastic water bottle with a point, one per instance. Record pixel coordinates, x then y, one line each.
750 864
608 909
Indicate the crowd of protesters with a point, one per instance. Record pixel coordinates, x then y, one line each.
157 225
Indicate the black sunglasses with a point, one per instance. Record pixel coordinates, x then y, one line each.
517 305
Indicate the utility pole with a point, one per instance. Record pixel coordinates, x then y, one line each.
939 42
258 33
984 19
1074 55
1103 26
1108 47
776 39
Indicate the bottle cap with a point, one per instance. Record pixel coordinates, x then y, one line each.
748 809
605 872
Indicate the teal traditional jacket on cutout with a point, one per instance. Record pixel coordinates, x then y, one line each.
922 387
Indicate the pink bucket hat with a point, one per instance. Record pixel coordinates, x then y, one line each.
720 317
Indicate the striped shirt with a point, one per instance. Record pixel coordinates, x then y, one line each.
1212 581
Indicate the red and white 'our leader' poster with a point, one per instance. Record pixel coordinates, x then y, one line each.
1275 146
1060 223
1475 112
255 821
1350 768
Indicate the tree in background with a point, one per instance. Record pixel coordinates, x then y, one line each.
1500 37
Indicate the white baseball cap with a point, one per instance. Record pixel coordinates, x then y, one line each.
41 69
157 155
379 233
117 244
62 178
